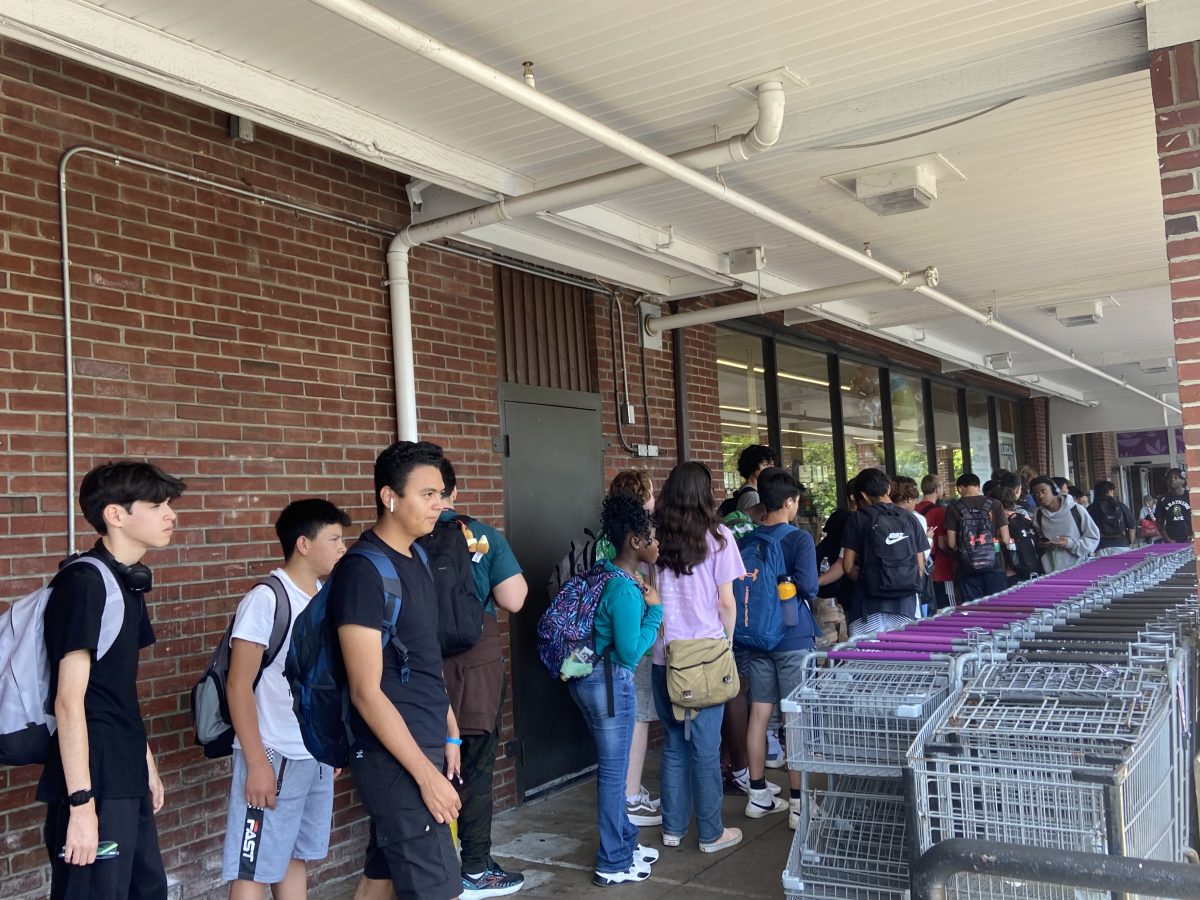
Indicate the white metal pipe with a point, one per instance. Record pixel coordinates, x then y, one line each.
404 368
732 151
404 35
770 305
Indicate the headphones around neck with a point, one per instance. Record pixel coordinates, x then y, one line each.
138 579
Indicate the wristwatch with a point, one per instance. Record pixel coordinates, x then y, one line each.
80 798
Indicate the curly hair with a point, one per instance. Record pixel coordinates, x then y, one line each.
632 481
686 515
904 489
623 515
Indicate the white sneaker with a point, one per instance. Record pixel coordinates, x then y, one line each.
633 873
763 803
775 757
743 782
795 810
647 855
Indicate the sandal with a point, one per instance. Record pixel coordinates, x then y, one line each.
730 837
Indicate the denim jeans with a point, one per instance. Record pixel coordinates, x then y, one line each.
691 769
974 585
612 734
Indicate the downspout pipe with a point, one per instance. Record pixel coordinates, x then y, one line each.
404 368
404 35
759 139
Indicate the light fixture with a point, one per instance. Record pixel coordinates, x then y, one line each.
999 361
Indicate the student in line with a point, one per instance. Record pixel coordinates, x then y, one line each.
405 751
698 562
273 772
475 681
1069 534
626 625
100 782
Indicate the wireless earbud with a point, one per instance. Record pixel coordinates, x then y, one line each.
392 506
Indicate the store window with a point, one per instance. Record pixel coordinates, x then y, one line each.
805 434
980 430
946 432
862 417
908 426
1008 433
741 390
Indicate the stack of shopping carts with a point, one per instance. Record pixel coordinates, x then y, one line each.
1072 756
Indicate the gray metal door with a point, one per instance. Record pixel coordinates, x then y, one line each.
553 484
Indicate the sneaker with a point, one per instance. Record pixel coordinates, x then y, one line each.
632 874
729 838
494 882
763 803
643 811
775 758
645 796
647 855
795 810
743 784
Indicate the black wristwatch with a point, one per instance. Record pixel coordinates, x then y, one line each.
80 798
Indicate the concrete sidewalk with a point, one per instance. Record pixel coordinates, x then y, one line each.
553 841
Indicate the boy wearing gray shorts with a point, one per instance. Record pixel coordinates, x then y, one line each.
280 798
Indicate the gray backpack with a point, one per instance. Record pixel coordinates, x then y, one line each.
26 720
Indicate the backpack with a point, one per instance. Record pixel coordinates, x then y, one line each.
889 565
976 536
580 558
210 701
314 668
26 717
739 524
566 638
1026 560
460 614
1108 518
729 504
758 623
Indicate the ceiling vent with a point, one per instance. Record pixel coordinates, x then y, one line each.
999 362
905 185
1157 366
1080 312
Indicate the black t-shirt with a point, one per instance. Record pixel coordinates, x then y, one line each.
356 598
1113 520
116 735
854 537
1175 512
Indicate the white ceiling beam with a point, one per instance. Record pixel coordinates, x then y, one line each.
1042 69
1091 286
1171 22
129 49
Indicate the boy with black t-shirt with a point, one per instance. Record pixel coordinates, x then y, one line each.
100 782
974 583
405 754
1173 514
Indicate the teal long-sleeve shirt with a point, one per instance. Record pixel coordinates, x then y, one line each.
624 621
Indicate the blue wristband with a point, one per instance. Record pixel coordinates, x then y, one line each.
457 742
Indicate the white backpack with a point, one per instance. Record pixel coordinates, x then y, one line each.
26 723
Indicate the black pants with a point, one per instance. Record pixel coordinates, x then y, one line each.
475 816
135 873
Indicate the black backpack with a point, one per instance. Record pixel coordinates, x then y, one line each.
460 614
1108 518
976 540
888 570
1026 561
729 504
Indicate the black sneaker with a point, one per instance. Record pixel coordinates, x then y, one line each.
494 882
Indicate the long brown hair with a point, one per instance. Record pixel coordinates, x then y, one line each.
686 514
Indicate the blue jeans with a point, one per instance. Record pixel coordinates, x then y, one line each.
974 585
612 734
691 769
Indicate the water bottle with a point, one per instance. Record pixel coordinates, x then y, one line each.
785 586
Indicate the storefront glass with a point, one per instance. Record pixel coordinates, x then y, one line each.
742 396
908 426
862 417
981 434
946 432
805 434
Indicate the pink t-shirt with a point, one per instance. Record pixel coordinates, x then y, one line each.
689 602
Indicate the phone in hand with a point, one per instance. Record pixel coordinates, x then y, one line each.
104 850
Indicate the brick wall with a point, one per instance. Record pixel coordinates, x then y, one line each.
1035 429
244 347
1175 84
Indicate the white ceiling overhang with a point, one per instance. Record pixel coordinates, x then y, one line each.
1044 107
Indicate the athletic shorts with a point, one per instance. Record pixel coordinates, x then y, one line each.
407 845
259 843
645 711
772 674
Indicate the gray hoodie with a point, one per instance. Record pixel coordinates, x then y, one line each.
1062 523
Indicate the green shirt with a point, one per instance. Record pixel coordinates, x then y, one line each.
624 621
497 565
